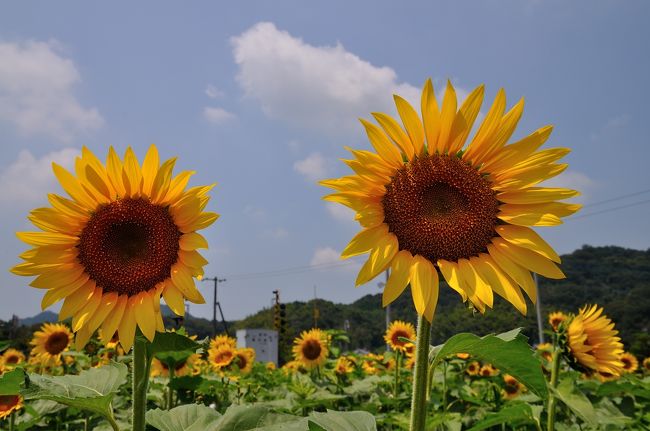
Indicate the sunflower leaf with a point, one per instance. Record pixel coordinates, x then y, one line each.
10 382
333 421
189 417
509 352
170 342
514 414
92 390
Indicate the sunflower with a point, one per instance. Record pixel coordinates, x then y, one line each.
488 370
244 359
397 330
473 368
311 348
555 319
463 356
221 356
126 236
343 366
12 357
370 368
427 203
545 351
223 339
10 404
511 387
52 340
592 343
292 367
646 364
270 366
182 368
630 362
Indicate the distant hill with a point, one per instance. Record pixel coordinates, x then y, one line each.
45 316
614 277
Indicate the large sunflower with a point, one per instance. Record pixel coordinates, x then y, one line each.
221 356
399 329
593 344
52 340
311 348
126 237
426 202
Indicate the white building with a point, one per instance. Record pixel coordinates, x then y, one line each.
264 341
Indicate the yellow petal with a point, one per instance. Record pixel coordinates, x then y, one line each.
364 241
112 321
519 274
114 172
126 328
507 126
483 138
465 119
412 123
395 132
447 116
192 258
176 186
144 315
149 169
185 284
66 274
203 221
192 241
370 216
81 337
503 285
529 219
477 285
75 301
160 325
558 209
399 277
528 177
106 306
525 237
72 187
449 270
518 151
131 174
160 189
534 195
174 299
430 118
386 150
424 280
83 316
56 294
380 258
529 259
68 207
47 238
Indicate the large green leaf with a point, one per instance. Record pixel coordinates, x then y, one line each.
576 401
190 417
10 382
170 342
509 352
4 345
92 390
515 414
349 421
244 418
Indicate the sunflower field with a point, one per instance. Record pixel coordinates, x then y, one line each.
436 209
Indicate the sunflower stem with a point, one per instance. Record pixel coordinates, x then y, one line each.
12 421
397 364
170 394
141 364
419 399
555 368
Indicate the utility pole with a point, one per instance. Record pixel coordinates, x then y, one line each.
538 307
382 285
216 304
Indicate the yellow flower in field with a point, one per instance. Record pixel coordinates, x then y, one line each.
410 362
630 362
512 388
473 368
646 364
12 357
244 359
311 348
546 351
292 367
592 342
221 356
270 366
370 368
223 339
463 356
398 329
9 404
126 236
426 202
52 340
555 319
182 368
488 370
343 366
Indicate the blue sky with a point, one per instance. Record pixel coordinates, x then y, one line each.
262 97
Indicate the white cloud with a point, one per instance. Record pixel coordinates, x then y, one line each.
328 258
217 115
36 92
314 167
573 180
340 212
213 92
324 88
28 179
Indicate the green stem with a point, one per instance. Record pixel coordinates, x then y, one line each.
444 386
111 420
397 364
12 421
418 402
555 368
141 366
170 394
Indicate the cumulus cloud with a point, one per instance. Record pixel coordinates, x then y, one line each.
28 179
217 115
319 87
328 258
313 167
36 92
213 92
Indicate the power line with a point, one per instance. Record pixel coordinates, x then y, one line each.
634 204
617 198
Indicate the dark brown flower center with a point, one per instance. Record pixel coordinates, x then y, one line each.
441 208
129 245
223 357
395 339
12 359
311 349
8 401
242 361
56 343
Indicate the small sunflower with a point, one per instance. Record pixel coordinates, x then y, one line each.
292 367
473 368
488 370
52 340
12 357
556 318
10 404
646 364
592 342
428 203
221 356
343 366
223 339
311 348
399 329
545 351
126 236
511 387
270 366
244 359
630 362
370 367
